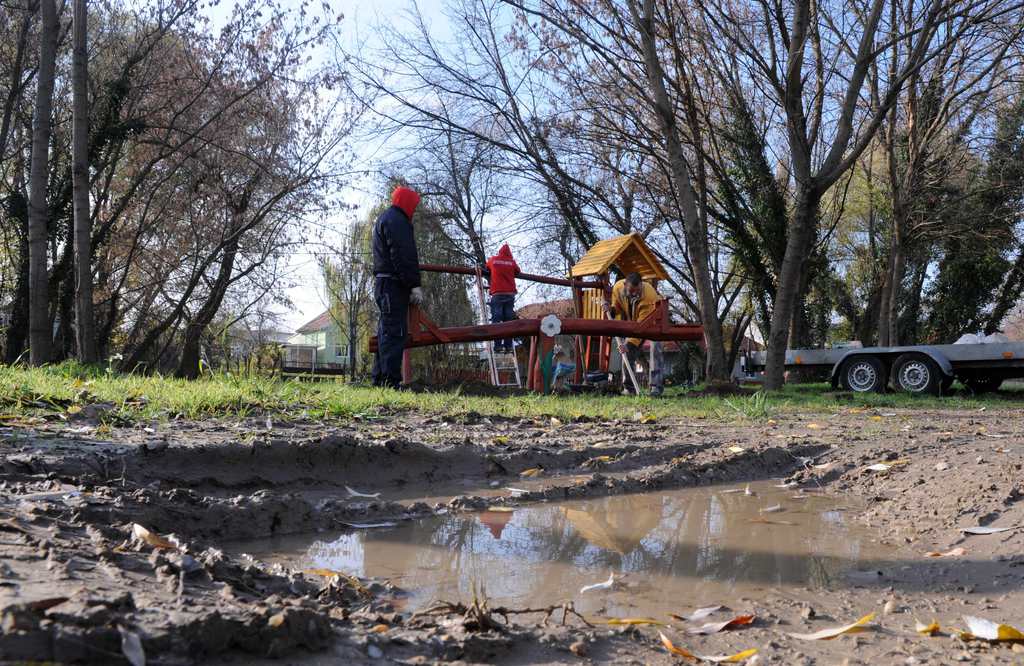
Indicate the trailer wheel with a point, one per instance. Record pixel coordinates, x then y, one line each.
917 374
863 374
983 384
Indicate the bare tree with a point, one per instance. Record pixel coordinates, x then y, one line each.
85 320
40 329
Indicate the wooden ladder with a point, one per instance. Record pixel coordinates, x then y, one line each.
497 363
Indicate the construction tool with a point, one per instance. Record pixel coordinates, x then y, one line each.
619 345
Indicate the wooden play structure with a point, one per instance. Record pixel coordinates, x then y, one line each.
591 283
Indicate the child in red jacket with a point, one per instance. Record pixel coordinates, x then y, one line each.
503 270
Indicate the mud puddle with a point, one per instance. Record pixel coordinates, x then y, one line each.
668 550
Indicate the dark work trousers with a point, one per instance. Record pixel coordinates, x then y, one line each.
656 374
503 308
392 299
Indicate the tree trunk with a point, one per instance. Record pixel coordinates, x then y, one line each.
888 321
40 328
798 238
1009 293
85 320
188 367
696 235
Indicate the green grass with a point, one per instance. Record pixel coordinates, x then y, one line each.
67 387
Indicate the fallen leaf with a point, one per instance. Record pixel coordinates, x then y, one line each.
715 627
379 629
827 465
878 467
74 409
772 422
814 426
598 460
276 620
501 509
988 630
829 634
686 654
501 439
633 621
650 418
698 614
956 552
151 538
876 418
769 521
730 659
356 493
606 585
532 472
926 629
555 422
986 530
131 647
737 449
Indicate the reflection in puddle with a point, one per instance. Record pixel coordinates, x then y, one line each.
672 549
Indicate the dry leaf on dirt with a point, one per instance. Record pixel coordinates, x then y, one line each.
986 530
829 634
356 493
878 467
276 620
633 621
379 629
598 460
500 439
769 521
606 585
698 614
979 627
532 472
555 422
151 538
926 629
686 654
715 627
814 426
131 647
956 552
737 449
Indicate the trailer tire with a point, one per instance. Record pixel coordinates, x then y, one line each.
980 385
863 374
917 374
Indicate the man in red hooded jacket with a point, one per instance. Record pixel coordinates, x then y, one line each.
396 270
503 271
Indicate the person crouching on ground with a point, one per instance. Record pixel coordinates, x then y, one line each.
634 300
503 270
396 270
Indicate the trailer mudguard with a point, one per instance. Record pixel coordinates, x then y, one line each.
892 352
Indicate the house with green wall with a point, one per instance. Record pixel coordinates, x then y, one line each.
318 345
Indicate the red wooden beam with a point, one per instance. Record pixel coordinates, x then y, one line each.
649 329
544 279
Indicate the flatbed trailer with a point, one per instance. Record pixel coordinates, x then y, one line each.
923 369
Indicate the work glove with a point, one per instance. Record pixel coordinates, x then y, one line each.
416 295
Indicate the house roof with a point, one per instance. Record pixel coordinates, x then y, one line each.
320 323
628 253
563 308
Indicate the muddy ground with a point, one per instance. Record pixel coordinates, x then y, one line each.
79 586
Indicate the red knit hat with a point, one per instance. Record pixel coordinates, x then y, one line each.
406 199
